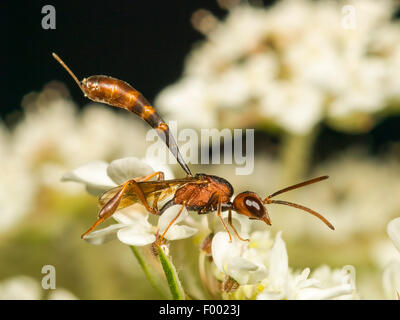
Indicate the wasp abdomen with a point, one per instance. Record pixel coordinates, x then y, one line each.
120 94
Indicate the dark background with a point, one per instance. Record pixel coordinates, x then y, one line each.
142 42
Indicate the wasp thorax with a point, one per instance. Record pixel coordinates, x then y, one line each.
251 205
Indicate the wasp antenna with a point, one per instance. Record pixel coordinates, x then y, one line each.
299 206
296 186
69 71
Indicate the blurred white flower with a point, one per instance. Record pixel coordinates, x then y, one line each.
27 288
61 294
337 284
284 284
355 199
53 137
99 176
228 258
261 267
20 288
292 64
393 230
17 192
4 141
391 274
133 227
302 106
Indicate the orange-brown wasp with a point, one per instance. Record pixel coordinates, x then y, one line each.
202 193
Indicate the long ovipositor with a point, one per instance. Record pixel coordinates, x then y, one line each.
120 94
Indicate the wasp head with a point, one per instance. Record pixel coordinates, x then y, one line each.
251 205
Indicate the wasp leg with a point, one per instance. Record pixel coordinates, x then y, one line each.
171 223
233 228
159 174
222 219
155 201
112 205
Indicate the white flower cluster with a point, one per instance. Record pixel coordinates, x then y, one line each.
262 270
291 65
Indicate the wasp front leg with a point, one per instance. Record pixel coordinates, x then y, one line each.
233 227
222 219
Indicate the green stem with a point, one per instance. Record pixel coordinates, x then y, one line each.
296 151
154 276
171 275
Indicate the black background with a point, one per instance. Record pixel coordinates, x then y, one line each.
141 42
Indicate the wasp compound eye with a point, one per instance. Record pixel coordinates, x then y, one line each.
254 206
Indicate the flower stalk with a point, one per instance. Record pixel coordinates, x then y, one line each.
171 276
156 278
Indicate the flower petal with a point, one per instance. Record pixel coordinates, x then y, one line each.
157 166
135 214
393 230
265 295
180 232
279 263
324 294
169 215
222 250
20 288
241 223
122 170
391 280
93 175
135 236
176 231
244 271
104 235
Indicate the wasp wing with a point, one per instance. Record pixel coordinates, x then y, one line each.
151 189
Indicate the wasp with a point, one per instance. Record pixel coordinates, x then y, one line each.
202 193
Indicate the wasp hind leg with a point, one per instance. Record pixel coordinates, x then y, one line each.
112 205
159 241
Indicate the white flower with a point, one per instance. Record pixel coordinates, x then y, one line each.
332 284
393 230
17 192
19 288
134 229
27 288
99 176
308 65
186 98
294 106
281 283
391 274
228 258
